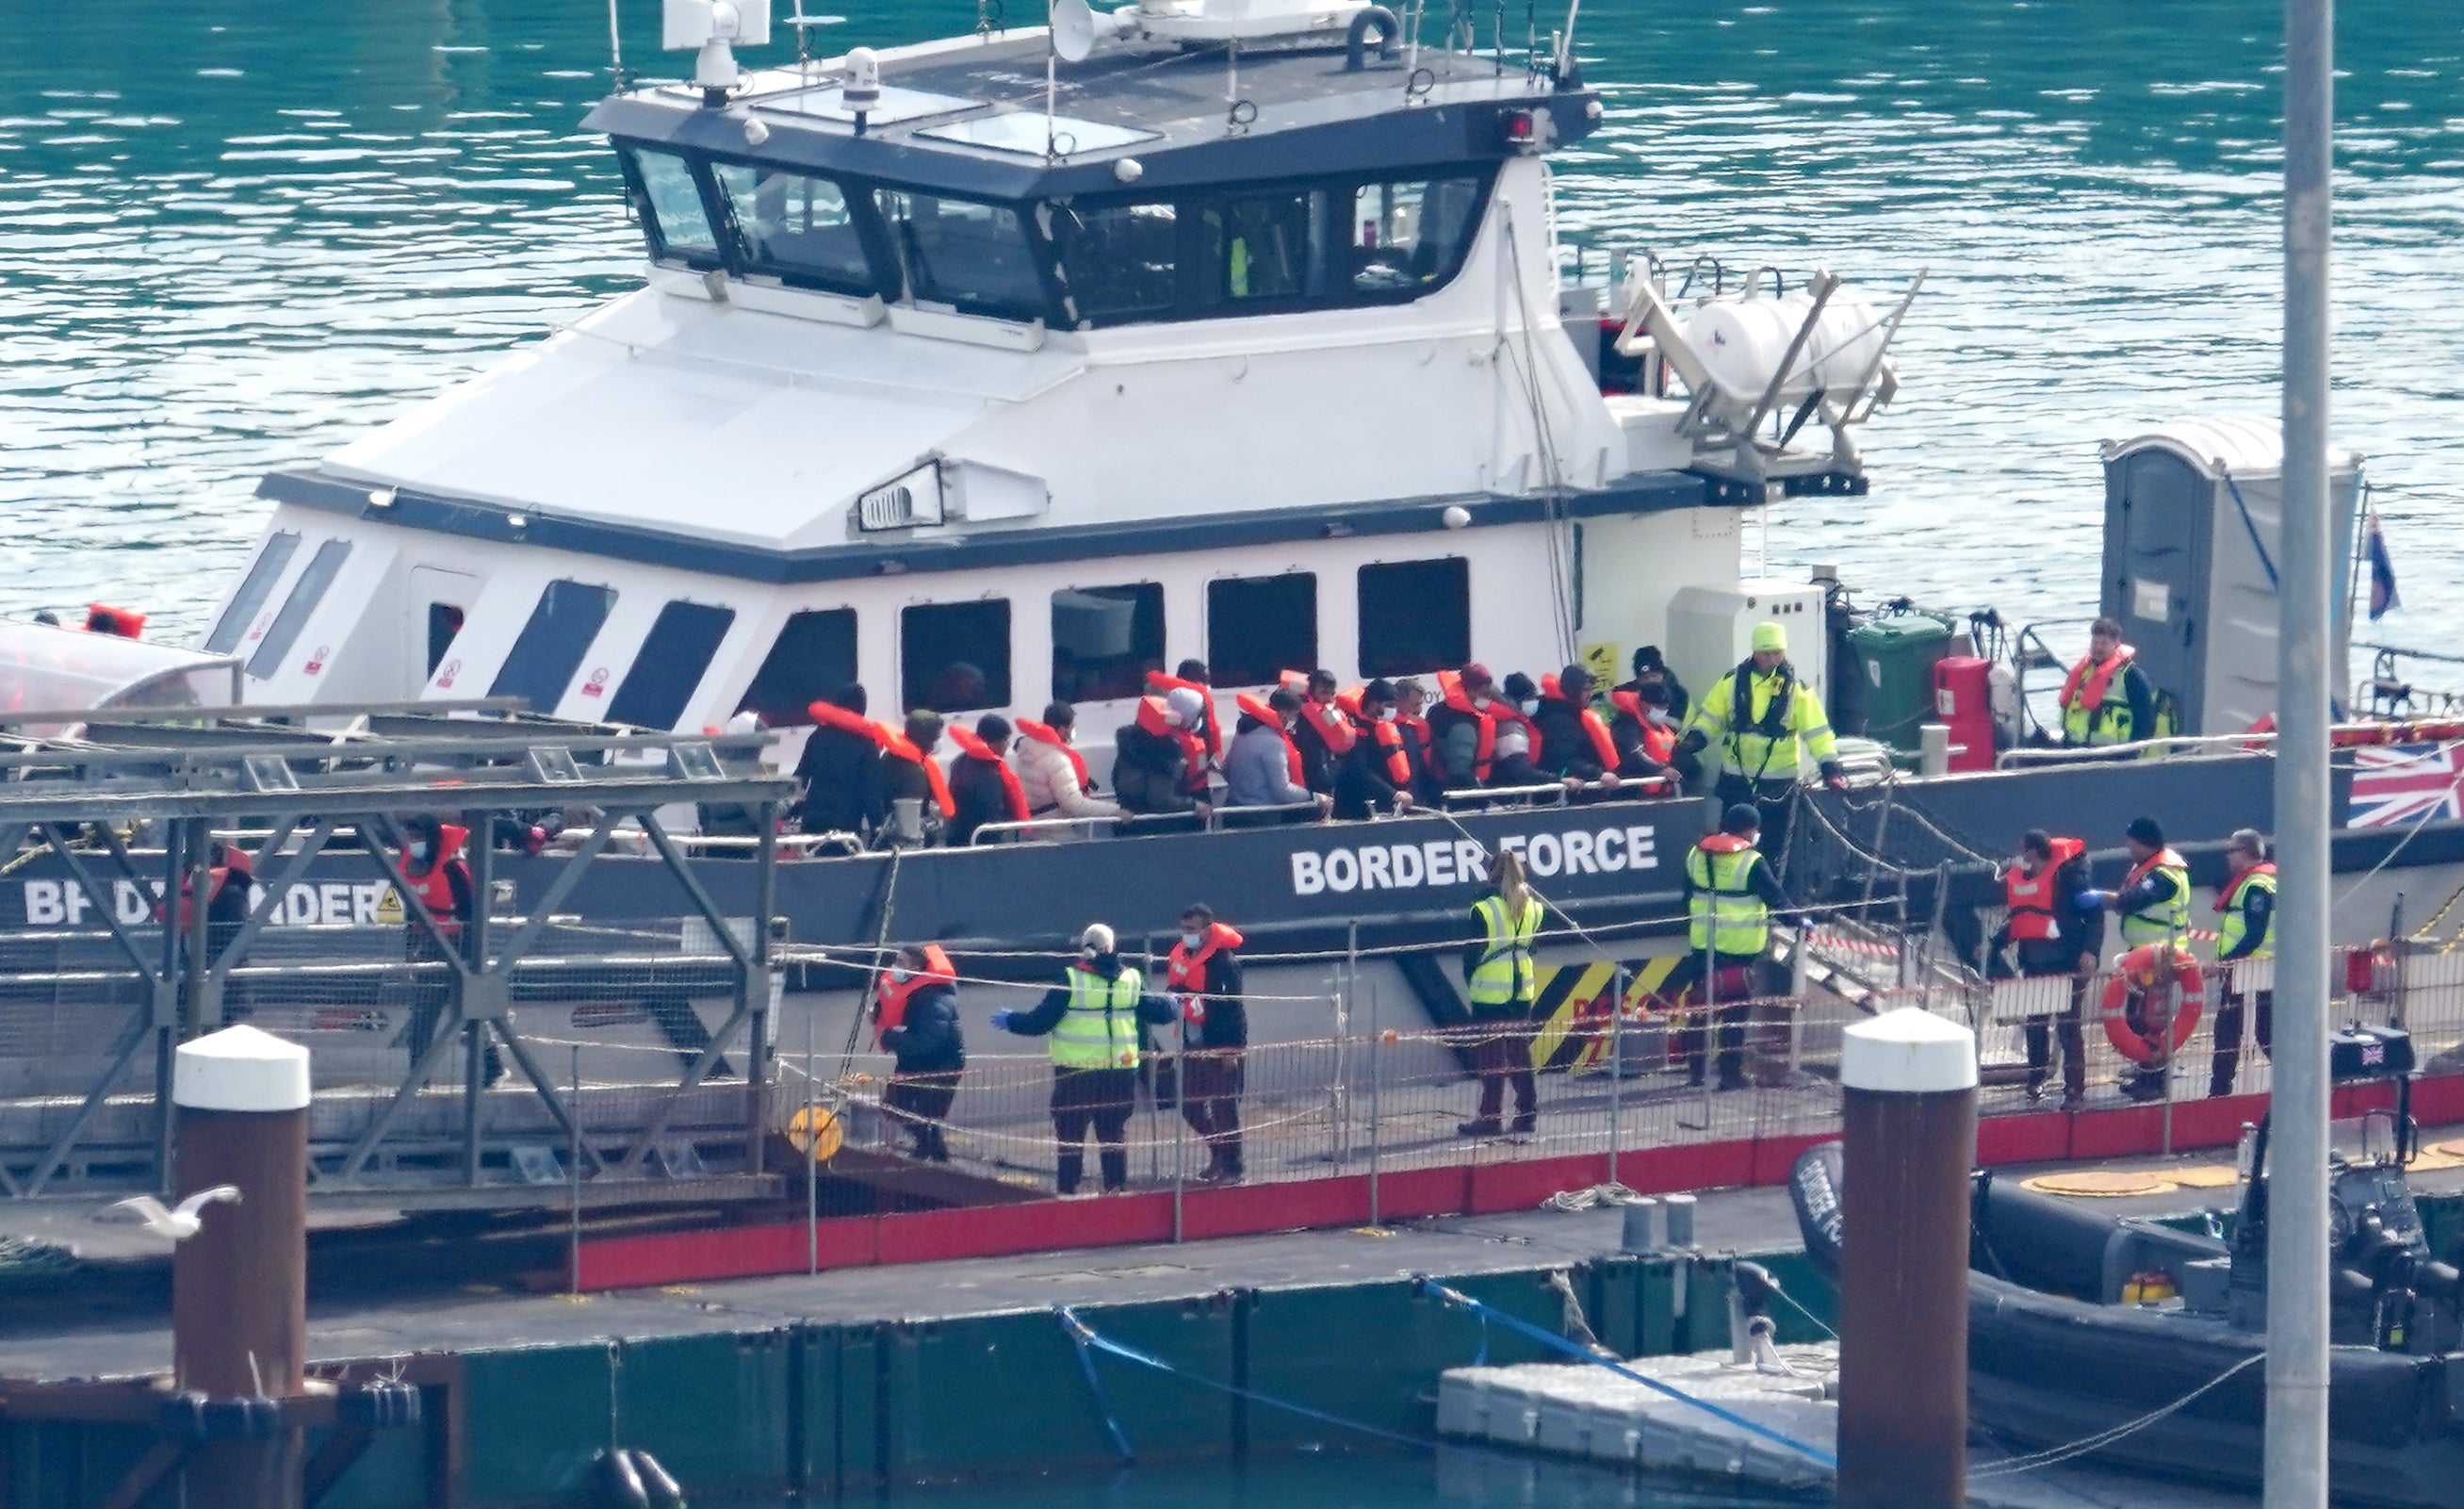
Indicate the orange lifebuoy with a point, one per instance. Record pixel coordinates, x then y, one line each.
2141 969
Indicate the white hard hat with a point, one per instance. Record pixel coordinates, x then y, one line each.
1098 936
1187 705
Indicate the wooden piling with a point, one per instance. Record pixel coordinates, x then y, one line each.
1908 1115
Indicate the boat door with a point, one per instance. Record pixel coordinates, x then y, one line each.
439 601
2158 517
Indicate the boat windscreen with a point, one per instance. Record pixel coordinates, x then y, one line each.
964 256
43 667
253 589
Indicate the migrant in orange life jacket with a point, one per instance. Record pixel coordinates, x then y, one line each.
2029 898
890 996
434 882
119 621
899 746
1603 747
1383 733
1047 734
1255 707
1211 733
1327 717
1013 794
831 715
1450 691
1658 740
1184 970
1154 715
229 863
1502 711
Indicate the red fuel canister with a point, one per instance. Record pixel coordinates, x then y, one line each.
1963 698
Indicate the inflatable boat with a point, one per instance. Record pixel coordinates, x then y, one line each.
2080 1322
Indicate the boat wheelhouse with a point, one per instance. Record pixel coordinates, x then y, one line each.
983 377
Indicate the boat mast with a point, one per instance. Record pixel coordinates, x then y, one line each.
2297 1239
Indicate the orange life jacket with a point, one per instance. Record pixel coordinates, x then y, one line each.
1603 747
831 715
434 885
1415 729
1047 734
900 747
890 996
972 743
2090 680
1723 844
235 862
1450 689
1327 717
1185 970
1214 736
2161 859
1505 711
1384 734
1255 707
2030 899
119 621
1154 715
2225 897
1659 741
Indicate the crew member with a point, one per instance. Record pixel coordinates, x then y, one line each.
2107 698
1498 979
1760 715
1091 1025
981 784
2245 932
839 775
908 773
1645 729
1159 757
1376 775
1462 727
1730 895
1204 974
2154 905
1575 742
2050 934
916 1012
1052 773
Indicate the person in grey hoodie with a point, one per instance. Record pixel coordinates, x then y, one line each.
1258 768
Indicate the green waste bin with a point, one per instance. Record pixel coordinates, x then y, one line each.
1895 656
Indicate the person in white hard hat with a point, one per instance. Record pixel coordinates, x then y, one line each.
1092 1026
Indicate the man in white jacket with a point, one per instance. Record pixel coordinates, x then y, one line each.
1053 774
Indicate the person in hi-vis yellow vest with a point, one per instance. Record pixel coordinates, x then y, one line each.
1501 982
1090 1024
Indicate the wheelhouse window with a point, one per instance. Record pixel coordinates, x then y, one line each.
799 229
550 647
253 589
813 657
305 595
677 651
1415 616
1104 641
1118 260
1264 247
1257 628
971 257
667 192
444 627
1408 237
954 658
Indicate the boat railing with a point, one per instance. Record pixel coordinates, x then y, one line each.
1553 793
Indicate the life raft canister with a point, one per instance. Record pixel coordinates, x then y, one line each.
2141 970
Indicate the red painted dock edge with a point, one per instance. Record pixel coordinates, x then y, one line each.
2036 1137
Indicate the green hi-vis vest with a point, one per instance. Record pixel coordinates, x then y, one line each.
2235 925
1100 1028
1503 974
2164 920
1728 917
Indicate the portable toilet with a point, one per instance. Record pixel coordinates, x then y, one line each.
2192 518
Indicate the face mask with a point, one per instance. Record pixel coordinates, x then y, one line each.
1659 714
1191 940
1087 954
1386 715
1529 705
419 853
899 976
1480 703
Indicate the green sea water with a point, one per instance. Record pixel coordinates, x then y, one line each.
232 236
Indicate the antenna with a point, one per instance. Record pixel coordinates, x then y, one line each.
615 48
1073 29
1566 46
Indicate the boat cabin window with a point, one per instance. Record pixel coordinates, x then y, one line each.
1104 641
667 193
1263 247
1119 259
1407 238
444 627
813 657
550 647
954 658
967 257
678 649
1415 616
1257 628
253 589
799 229
305 595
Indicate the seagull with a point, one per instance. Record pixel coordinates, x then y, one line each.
181 1224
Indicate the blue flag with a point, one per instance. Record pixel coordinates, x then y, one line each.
2382 573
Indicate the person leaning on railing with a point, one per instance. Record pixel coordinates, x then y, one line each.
1500 983
1092 1026
2245 932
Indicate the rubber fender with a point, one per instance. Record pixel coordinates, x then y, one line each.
661 1484
1389 27
623 1483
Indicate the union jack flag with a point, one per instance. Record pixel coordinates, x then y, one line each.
2406 784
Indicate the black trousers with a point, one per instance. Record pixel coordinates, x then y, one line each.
1099 1099
921 1103
2041 1032
1503 1057
2231 1015
1731 1010
1211 1082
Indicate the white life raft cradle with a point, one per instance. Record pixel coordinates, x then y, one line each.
1759 366
46 668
